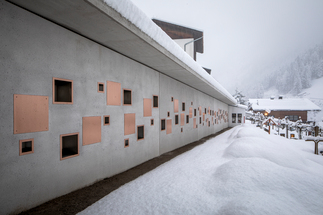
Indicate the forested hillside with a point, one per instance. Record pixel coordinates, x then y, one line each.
298 75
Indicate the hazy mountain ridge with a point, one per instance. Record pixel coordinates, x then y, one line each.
298 75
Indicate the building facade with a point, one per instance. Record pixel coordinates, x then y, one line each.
86 95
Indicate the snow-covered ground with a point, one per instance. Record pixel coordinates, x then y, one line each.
242 171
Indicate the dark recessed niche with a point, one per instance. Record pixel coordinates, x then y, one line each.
172 99
101 87
168 114
191 103
181 129
127 98
209 124
183 106
140 132
162 124
200 120
69 145
152 122
106 120
126 142
26 146
194 112
155 101
176 119
187 118
63 91
205 110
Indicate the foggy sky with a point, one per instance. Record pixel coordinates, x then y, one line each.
244 36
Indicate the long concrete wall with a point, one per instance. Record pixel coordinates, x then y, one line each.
33 51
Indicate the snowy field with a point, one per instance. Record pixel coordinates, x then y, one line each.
242 171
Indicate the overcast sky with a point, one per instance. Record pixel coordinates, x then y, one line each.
244 36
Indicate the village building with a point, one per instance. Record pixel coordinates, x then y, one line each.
293 108
89 89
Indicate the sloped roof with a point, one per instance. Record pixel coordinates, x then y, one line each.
283 104
119 25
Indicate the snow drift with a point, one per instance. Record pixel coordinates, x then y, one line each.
242 171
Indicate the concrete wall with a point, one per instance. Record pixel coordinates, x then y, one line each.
33 51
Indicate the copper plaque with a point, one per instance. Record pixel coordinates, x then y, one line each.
129 123
113 93
91 130
30 113
147 107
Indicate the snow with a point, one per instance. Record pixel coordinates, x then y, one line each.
242 171
132 13
283 104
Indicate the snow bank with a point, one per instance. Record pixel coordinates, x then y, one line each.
242 171
132 13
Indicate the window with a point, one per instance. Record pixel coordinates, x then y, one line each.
209 123
106 120
293 117
26 146
234 118
100 87
195 112
69 145
205 110
191 103
183 106
181 129
140 132
187 119
62 91
127 97
172 99
200 120
155 101
239 117
168 114
162 124
152 122
126 142
176 119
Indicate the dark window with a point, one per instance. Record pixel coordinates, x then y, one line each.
205 111
176 119
209 123
63 91
172 99
26 146
140 132
106 120
101 87
163 124
191 103
181 129
183 106
168 114
187 118
239 117
69 145
155 101
200 120
293 117
152 122
126 142
127 100
234 116
194 112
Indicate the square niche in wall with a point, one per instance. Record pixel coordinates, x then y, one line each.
106 120
126 142
26 146
100 87
155 101
30 113
69 145
140 132
127 97
62 91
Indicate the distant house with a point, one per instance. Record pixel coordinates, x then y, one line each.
294 109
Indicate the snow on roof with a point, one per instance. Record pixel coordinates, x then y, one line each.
283 104
132 13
